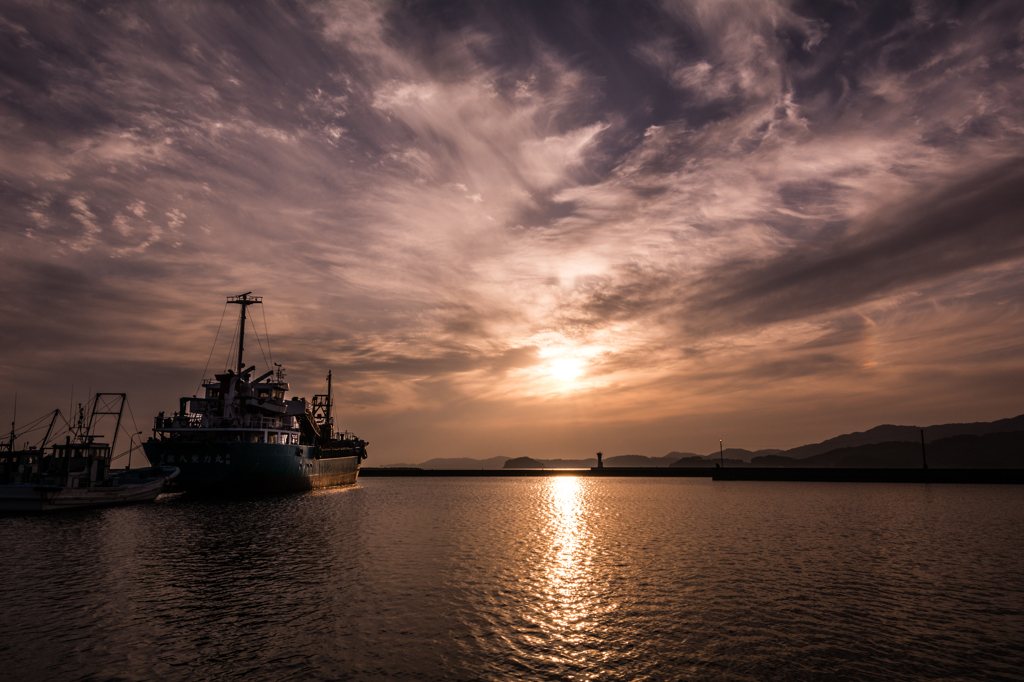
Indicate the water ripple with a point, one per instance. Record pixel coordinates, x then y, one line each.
540 579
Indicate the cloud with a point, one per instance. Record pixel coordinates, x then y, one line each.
972 224
713 208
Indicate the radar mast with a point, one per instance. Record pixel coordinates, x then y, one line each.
244 300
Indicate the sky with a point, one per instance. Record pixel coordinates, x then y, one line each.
529 228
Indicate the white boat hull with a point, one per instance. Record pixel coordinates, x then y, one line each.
138 485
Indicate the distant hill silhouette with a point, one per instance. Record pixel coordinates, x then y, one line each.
571 463
679 455
998 444
732 456
989 451
744 455
524 463
888 433
462 463
698 462
637 461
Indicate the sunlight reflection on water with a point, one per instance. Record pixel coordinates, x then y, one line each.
559 578
570 595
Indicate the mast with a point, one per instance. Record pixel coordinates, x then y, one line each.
49 429
103 405
15 419
330 399
245 300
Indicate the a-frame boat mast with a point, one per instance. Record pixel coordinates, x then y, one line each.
102 406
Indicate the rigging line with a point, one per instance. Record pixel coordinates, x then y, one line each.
112 455
212 348
231 343
131 445
60 429
65 429
257 335
36 423
231 349
131 436
266 331
134 425
25 430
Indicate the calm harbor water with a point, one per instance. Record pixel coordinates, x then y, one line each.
534 579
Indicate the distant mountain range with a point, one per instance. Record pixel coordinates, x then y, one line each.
458 463
998 444
614 461
888 433
965 451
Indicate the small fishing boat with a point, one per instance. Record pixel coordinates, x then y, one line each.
76 473
122 487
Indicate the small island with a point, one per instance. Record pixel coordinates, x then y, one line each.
525 463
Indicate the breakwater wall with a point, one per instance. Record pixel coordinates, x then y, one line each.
651 472
1007 476
1011 476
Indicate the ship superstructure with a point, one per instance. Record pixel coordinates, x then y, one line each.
244 433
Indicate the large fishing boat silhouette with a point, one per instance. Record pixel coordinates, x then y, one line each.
244 436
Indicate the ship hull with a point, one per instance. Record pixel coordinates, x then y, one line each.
251 467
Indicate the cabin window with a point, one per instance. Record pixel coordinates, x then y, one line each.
263 393
213 393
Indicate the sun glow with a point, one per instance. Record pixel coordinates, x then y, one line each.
566 369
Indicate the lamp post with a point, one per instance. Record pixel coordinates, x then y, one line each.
131 444
721 455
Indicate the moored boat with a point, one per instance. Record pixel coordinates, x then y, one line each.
119 487
243 435
76 473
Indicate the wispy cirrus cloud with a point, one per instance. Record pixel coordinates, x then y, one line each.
704 209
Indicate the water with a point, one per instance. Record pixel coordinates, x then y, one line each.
539 579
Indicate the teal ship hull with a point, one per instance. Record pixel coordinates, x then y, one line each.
243 435
263 467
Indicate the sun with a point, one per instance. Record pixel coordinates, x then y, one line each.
566 369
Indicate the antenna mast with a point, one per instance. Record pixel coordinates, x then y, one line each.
245 300
330 399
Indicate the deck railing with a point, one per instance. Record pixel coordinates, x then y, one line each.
195 421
